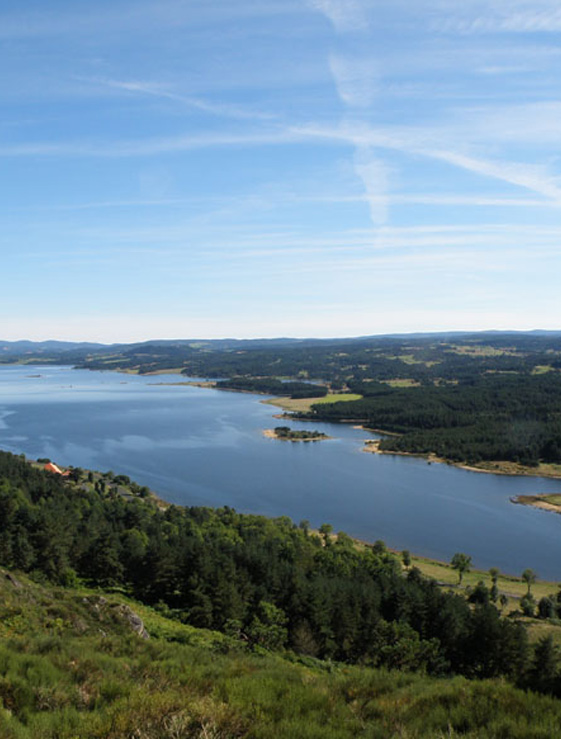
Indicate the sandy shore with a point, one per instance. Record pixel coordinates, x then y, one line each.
489 468
536 501
189 383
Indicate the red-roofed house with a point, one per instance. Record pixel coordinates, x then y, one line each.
51 467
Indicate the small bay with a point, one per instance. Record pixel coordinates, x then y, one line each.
196 446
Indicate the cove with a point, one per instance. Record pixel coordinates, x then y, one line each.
196 446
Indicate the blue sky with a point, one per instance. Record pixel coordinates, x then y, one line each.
245 168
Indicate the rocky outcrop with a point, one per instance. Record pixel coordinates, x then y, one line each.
119 611
133 619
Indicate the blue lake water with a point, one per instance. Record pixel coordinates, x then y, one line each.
205 447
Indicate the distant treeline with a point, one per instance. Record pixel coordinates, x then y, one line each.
272 386
426 360
267 581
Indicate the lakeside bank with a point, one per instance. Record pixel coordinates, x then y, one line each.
512 469
110 484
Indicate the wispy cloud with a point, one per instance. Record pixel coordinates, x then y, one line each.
374 174
536 178
159 90
531 177
532 123
502 19
139 17
304 199
356 79
150 146
345 15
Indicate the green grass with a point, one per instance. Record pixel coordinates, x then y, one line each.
513 587
304 404
510 584
476 350
337 398
404 382
71 669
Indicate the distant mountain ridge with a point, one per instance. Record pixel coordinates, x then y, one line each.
54 346
25 346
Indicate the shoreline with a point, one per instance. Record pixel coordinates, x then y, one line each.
537 501
508 469
371 446
496 467
437 569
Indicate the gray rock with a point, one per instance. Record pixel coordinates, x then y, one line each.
133 619
13 580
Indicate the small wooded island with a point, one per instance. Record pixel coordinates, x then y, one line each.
285 433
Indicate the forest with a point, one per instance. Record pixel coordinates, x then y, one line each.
512 417
272 386
267 583
424 359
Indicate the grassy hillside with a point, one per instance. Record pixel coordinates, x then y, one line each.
72 667
111 606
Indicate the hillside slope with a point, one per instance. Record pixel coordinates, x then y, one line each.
72 666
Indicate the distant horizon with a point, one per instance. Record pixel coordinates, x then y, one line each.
227 338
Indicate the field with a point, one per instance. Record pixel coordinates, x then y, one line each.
302 405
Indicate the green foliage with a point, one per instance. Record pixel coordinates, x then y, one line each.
492 417
272 386
90 676
462 563
543 674
528 605
529 577
480 594
268 583
285 432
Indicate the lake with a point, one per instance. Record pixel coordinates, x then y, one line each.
196 446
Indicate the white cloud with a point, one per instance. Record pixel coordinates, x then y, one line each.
501 18
534 124
374 174
159 90
345 15
356 79
532 177
417 141
150 146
